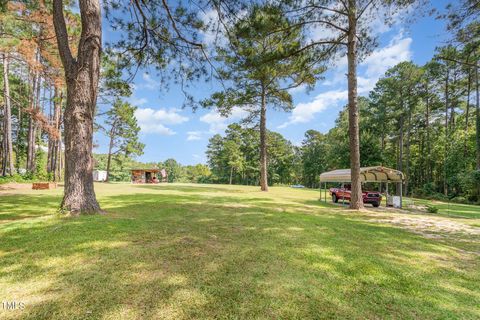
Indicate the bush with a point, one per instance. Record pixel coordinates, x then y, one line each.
470 183
432 209
428 189
460 199
14 178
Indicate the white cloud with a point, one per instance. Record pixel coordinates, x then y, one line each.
194 135
304 112
137 101
380 60
156 128
148 83
155 121
218 123
214 32
375 66
299 89
210 34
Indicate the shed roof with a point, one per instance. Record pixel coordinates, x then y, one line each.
367 174
146 170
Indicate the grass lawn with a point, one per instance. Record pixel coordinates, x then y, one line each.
182 251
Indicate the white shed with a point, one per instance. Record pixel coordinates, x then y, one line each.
99 175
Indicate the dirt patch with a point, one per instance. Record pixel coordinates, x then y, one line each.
15 186
431 227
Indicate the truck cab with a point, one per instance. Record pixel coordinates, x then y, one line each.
344 193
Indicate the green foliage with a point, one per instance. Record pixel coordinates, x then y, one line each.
432 209
470 182
41 166
258 62
174 169
122 129
239 149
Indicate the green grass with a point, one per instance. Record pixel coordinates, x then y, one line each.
183 251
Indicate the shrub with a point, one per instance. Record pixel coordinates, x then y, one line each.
470 182
432 209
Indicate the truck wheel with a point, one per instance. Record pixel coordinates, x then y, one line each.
334 198
376 204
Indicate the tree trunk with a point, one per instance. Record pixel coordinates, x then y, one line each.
263 143
445 185
32 126
59 158
110 148
407 161
356 201
8 117
477 107
51 139
400 146
55 142
452 105
231 174
82 74
427 124
467 111
18 141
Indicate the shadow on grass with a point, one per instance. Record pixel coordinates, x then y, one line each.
190 189
196 256
16 207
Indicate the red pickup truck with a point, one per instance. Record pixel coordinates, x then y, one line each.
372 197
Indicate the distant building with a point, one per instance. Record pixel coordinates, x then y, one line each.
99 175
149 175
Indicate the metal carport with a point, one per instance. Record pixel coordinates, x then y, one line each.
367 174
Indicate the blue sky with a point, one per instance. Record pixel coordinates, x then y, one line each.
168 131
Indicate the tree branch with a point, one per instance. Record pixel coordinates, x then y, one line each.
62 35
458 61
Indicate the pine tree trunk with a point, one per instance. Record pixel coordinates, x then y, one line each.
407 162
18 141
8 116
55 141
59 159
445 185
51 139
400 146
32 127
231 174
427 124
467 111
477 107
356 201
263 143
110 148
82 74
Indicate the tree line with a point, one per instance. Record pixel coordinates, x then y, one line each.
57 71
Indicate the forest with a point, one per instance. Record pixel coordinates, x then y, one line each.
422 120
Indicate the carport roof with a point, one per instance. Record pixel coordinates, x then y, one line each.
367 174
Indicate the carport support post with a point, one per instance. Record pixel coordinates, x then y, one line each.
325 184
386 194
401 196
343 194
